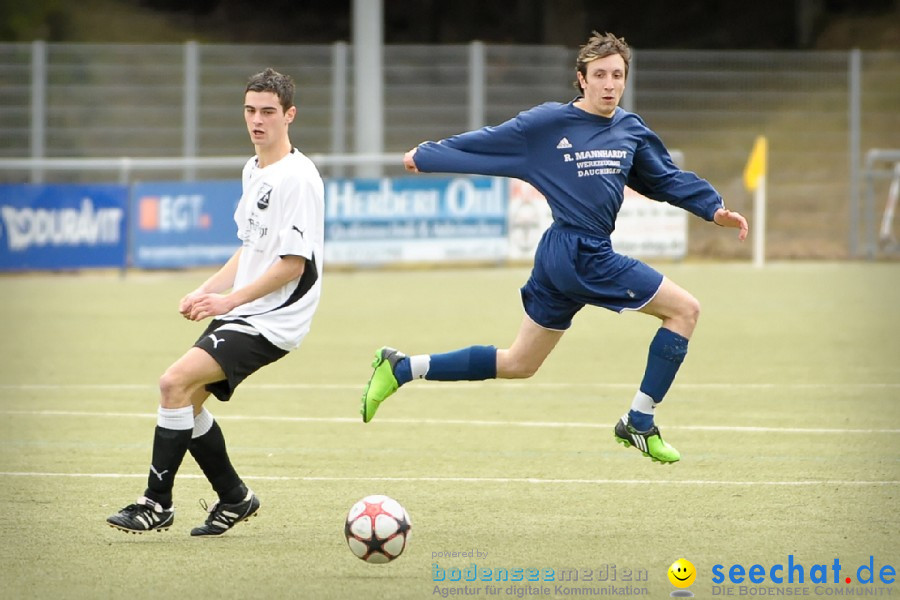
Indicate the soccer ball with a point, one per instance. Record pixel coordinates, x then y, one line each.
377 529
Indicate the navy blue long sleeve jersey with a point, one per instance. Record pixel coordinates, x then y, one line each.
579 161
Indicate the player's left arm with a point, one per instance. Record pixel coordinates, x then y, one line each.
731 218
655 175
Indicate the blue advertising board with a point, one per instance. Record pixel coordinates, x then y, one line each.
58 227
367 222
184 224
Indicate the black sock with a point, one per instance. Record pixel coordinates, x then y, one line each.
210 453
169 448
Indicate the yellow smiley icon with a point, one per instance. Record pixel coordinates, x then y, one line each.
682 573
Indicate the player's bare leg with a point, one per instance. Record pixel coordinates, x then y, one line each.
675 307
533 344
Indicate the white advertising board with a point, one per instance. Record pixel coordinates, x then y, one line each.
644 229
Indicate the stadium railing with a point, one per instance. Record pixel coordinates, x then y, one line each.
126 167
881 165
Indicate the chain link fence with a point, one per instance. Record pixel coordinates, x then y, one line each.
822 111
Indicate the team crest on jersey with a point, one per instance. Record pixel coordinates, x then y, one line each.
262 203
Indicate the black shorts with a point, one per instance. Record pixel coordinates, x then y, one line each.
239 349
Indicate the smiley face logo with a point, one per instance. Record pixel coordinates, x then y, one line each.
682 573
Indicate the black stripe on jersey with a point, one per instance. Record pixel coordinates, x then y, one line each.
307 280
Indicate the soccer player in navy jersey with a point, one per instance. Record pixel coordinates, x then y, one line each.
580 156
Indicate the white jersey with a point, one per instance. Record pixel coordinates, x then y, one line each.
281 213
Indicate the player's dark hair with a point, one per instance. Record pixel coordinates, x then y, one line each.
271 80
599 46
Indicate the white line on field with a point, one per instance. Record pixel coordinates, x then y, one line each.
532 480
464 422
114 387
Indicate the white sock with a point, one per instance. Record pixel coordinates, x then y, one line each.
202 423
643 403
178 419
419 365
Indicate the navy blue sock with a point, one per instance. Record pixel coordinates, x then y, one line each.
640 421
474 363
402 371
667 352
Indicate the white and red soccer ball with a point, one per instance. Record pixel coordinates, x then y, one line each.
377 529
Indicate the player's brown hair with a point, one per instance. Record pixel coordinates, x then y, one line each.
599 46
271 80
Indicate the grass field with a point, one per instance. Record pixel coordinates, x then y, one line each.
787 414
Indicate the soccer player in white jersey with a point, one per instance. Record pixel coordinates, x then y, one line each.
262 302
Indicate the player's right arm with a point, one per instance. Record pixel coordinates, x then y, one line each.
284 270
500 151
410 162
220 281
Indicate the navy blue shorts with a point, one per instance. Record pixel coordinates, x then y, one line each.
574 268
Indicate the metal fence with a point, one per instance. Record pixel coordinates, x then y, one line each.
822 111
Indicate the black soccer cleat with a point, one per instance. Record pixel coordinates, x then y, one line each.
223 517
143 515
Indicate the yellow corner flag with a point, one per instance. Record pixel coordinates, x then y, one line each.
756 164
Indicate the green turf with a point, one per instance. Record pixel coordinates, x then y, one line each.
786 414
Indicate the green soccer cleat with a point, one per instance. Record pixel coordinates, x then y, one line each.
382 383
649 443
